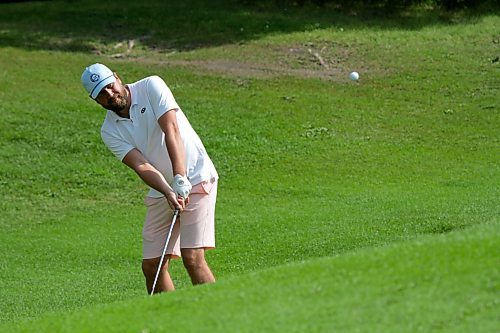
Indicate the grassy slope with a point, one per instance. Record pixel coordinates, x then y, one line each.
420 286
410 150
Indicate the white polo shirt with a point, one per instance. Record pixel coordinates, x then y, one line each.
151 98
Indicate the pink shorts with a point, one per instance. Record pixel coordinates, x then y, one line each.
193 229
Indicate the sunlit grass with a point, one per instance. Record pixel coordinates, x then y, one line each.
310 166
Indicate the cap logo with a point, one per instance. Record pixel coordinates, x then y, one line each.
94 77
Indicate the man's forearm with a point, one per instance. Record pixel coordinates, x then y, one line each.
173 140
176 152
152 177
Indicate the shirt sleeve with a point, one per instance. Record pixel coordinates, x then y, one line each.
119 147
160 97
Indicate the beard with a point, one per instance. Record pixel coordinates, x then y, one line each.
117 103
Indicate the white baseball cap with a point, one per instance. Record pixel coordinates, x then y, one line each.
95 77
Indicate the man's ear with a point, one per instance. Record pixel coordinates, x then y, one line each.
117 77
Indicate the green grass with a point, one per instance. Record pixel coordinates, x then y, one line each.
367 206
419 286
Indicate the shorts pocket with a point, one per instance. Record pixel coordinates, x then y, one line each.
204 187
149 201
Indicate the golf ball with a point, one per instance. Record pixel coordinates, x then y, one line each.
354 76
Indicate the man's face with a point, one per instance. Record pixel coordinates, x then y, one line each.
113 96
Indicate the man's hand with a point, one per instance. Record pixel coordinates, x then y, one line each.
181 186
151 176
175 202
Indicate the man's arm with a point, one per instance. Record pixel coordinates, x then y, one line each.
151 176
177 154
175 146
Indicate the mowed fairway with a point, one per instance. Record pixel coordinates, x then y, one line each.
368 206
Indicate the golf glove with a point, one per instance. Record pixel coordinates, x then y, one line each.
181 186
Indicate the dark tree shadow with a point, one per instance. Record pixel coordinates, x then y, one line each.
91 26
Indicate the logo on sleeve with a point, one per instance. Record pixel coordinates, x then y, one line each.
143 110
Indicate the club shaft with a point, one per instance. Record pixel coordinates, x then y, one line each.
176 213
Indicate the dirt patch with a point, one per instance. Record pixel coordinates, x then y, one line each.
240 68
314 55
324 60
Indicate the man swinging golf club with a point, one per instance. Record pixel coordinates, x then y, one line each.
146 129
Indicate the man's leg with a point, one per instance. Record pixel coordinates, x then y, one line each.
150 267
196 266
154 234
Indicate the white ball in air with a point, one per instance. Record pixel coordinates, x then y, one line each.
354 76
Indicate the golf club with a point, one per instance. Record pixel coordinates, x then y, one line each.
176 213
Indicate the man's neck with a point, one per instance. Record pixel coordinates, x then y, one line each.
125 113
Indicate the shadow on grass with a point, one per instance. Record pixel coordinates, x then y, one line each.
101 26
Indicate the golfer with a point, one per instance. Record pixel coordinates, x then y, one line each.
146 129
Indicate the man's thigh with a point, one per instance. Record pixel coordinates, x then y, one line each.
198 219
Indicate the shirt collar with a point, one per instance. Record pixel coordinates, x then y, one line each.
131 88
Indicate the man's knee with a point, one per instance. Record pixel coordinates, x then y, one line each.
150 266
193 259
